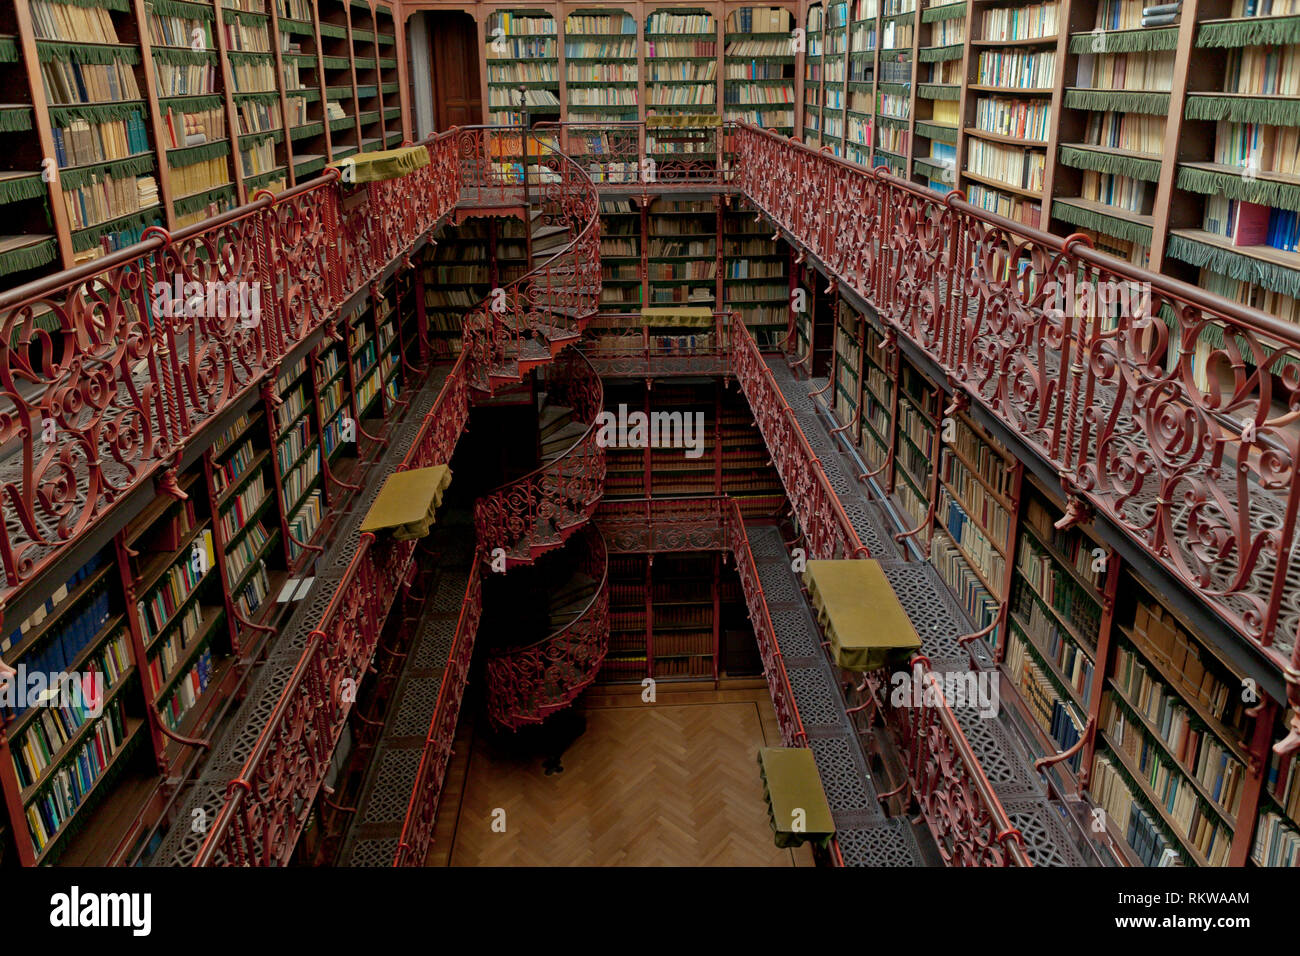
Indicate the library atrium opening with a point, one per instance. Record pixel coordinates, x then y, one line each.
852 433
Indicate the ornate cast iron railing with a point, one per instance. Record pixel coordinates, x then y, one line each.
417 827
541 510
109 369
615 351
1092 361
267 803
526 684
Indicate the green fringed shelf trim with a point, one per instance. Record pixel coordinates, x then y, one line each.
932 169
263 136
199 153
301 59
307 129
190 104
120 6
938 91
48 51
23 188
334 62
244 56
28 257
393 139
257 96
385 39
132 222
343 122
367 91
893 121
1275 111
1122 101
299 27
1235 265
307 96
1110 225
369 116
1213 336
383 11
333 30
363 4
1125 41
388 87
365 36
1254 31
186 11
117 168
15 120
345 152
899 17
937 54
338 92
261 180
8 49
393 112
939 134
95 112
309 167
1116 164
897 89
898 162
168 54
387 63
247 18
1233 185
183 207
949 11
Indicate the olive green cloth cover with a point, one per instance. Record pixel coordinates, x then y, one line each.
384 164
692 317
683 121
795 797
407 502
860 614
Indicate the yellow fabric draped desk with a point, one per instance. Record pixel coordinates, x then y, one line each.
407 502
860 614
796 802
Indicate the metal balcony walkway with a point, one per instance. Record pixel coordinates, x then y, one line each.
231 743
939 620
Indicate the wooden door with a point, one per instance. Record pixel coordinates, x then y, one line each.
457 100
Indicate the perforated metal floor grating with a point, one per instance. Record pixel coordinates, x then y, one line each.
234 740
939 621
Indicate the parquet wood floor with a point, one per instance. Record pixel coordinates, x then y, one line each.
673 783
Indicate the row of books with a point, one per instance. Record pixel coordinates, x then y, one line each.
972 538
193 128
242 553
185 79
1020 23
75 630
1071 546
1263 71
236 512
1060 592
175 586
1277 304
246 38
974 598
1276 842
1134 132
1007 164
71 22
598 23
1151 71
69 82
977 500
1122 192
251 596
305 521
1258 146
1015 68
602 73
668 23
79 143
601 50
166 657
513 24
1058 718
1119 14
1022 119
759 20
105 197
670 49
1139 828
523 73
188 690
1251 224
63 715
178 32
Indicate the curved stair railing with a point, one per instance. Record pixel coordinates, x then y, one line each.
528 683
540 511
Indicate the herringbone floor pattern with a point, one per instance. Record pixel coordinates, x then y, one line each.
673 783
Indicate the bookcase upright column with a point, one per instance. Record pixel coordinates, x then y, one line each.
1260 746
138 652
1009 572
219 553
155 111
269 399
12 790
1101 664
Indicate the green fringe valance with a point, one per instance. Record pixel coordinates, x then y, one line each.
190 104
393 112
307 129
260 137
1275 111
949 11
1114 163
899 17
1110 225
299 27
344 152
937 133
897 89
169 54
343 122
930 168
15 120
388 87
1123 101
117 168
28 257
363 4
891 159
363 92
387 63
17 190
48 51
385 39
254 183
338 92
1125 41
257 96
1255 31
179 8
183 207
301 59
94 112
334 62
383 11
89 238
8 49
894 121
309 166
1235 186
937 54
307 96
365 36
121 6
369 116
200 153
1235 265
246 17
333 30
244 56
938 91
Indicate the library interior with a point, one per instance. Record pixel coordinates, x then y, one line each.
886 411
